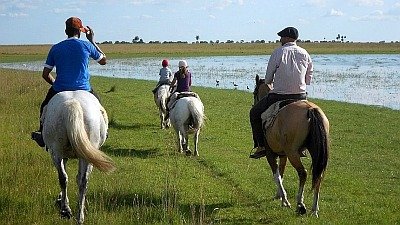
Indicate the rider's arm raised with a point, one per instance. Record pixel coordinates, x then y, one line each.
90 37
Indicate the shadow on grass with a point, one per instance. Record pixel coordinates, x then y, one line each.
154 208
119 126
126 152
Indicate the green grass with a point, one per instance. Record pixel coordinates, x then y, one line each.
154 184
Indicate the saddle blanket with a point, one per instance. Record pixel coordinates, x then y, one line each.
268 116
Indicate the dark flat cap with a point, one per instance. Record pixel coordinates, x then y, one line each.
289 32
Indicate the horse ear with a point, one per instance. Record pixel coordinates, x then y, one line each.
257 78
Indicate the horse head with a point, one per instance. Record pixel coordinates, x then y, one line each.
261 89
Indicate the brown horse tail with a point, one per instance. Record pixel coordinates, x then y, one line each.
318 145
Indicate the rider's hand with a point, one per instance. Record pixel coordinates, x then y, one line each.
90 34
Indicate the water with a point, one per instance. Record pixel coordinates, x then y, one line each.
365 79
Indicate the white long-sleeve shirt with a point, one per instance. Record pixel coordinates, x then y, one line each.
289 69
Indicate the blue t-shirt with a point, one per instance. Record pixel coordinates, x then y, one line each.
71 59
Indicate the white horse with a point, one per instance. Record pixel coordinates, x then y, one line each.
187 116
75 126
161 99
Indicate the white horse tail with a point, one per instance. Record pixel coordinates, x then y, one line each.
79 139
197 112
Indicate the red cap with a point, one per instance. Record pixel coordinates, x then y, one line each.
164 63
76 23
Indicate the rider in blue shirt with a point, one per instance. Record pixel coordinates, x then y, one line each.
71 59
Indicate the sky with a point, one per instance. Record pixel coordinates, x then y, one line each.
43 21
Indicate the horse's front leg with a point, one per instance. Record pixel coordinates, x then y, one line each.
281 193
62 201
302 173
82 180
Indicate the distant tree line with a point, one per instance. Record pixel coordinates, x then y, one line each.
137 40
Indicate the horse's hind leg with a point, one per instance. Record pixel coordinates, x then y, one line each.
282 166
180 140
196 142
162 116
281 193
82 180
183 139
62 201
185 143
302 173
315 207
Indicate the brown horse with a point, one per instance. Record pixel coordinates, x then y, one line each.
298 126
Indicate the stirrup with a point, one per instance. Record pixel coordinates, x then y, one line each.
258 153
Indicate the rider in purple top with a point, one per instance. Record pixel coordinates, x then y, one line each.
182 78
71 59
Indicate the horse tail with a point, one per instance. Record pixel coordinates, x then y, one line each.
79 139
162 99
197 113
318 144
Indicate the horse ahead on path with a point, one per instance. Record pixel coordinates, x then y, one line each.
75 126
298 126
187 116
161 98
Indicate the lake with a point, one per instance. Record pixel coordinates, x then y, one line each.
365 79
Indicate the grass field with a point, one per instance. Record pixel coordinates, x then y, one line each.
10 53
154 184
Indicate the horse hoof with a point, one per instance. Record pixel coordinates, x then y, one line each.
66 214
58 203
188 152
301 209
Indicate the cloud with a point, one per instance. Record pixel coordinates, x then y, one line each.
145 16
395 10
16 9
369 2
17 15
335 12
318 3
67 10
303 21
257 21
141 2
377 15
222 4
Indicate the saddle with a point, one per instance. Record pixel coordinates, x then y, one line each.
178 95
268 116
